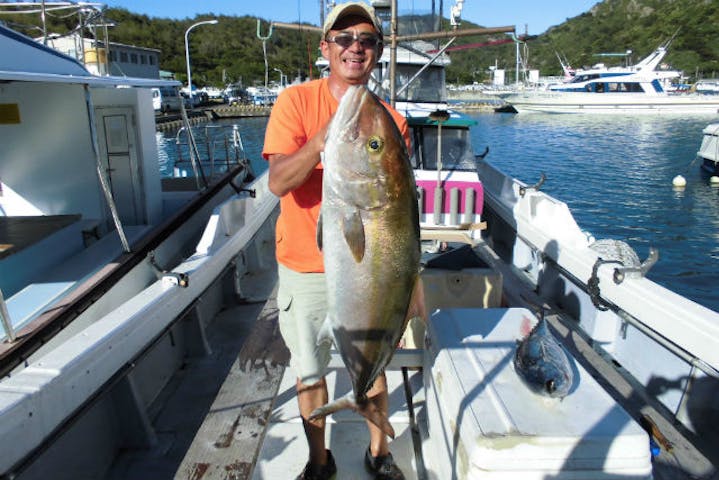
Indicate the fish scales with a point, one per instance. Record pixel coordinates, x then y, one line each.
369 236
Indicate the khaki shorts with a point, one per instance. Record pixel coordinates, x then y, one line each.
302 303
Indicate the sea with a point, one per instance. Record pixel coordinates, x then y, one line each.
614 172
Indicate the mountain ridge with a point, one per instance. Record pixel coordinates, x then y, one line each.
232 52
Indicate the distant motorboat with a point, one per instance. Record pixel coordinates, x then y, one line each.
640 88
708 86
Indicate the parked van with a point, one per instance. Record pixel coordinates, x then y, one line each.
166 99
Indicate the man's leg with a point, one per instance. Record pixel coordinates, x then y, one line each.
377 438
302 301
378 459
309 398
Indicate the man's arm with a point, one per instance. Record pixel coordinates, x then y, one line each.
288 172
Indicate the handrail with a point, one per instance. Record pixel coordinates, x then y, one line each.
231 139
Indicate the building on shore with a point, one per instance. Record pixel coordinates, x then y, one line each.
118 60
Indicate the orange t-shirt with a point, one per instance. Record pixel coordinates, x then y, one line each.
299 113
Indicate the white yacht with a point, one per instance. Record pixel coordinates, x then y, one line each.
707 86
644 88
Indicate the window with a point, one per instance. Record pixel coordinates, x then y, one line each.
133 58
457 153
123 57
143 59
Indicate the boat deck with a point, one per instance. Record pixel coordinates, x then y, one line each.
185 404
284 450
233 413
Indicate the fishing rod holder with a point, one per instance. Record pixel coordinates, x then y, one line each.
167 277
238 189
619 253
640 271
535 187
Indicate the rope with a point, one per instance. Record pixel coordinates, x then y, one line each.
593 284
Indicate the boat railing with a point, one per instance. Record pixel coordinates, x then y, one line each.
219 148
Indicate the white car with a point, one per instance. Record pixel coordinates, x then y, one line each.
166 99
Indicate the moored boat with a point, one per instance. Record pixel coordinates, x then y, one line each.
707 86
643 88
93 236
527 252
709 148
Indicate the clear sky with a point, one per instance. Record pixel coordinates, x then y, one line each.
537 15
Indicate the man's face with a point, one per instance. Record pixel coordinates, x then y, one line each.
352 47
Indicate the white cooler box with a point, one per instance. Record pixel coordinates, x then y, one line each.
485 423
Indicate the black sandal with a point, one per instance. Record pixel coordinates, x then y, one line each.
382 467
321 472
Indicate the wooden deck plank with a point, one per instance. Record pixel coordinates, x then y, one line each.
228 441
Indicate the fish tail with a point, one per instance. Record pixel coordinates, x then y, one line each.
369 409
342 403
372 412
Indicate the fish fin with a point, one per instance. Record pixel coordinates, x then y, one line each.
368 409
353 230
526 327
319 232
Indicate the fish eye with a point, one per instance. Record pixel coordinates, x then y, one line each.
374 144
550 386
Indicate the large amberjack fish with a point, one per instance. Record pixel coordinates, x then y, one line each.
369 235
542 363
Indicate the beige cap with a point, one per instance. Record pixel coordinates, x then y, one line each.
351 8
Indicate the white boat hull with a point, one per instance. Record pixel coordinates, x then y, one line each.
61 381
609 103
709 149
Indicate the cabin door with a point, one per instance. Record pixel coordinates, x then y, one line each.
118 152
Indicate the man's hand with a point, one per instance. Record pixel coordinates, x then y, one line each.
288 172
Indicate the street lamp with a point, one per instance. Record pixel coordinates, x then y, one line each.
282 76
187 53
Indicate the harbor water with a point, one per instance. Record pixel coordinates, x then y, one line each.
614 172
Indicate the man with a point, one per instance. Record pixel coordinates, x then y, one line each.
295 136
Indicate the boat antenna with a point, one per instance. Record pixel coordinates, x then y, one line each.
264 48
671 39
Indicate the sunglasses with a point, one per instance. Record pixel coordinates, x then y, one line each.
345 40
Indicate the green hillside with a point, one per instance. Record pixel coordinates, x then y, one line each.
224 53
231 50
611 26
